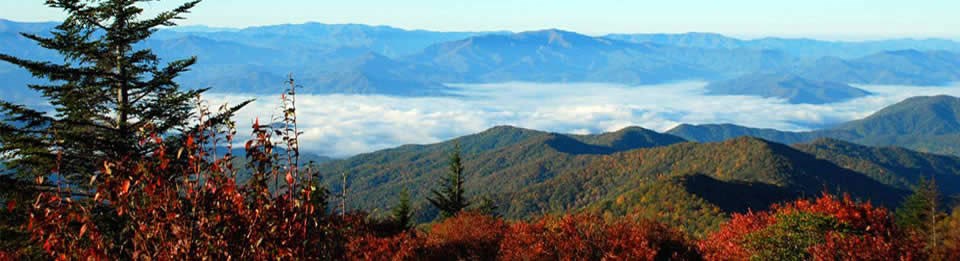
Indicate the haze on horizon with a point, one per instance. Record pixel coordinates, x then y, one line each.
821 19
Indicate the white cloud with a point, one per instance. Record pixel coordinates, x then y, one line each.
344 125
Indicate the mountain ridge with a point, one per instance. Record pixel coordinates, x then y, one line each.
258 58
922 123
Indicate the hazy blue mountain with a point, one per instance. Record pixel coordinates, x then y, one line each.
792 88
547 56
7 26
13 83
696 40
389 41
561 56
798 47
926 124
904 67
360 59
201 29
373 73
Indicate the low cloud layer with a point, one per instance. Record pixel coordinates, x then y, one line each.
345 125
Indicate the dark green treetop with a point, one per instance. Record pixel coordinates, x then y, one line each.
403 212
451 199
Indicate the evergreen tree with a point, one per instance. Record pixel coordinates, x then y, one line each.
920 211
450 198
403 213
106 94
486 206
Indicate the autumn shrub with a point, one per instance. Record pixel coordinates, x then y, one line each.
589 237
828 228
402 246
468 235
188 203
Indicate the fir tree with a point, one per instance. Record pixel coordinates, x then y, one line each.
486 206
450 199
403 213
107 94
920 211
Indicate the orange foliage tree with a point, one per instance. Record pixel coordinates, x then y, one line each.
828 228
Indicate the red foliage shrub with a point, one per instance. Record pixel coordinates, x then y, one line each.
467 235
847 230
589 237
403 246
188 204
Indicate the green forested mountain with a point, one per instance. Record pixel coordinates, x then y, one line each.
894 166
926 123
722 132
635 171
764 172
499 160
930 115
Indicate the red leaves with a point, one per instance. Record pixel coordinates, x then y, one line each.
470 236
467 236
584 236
403 246
124 187
11 205
190 142
867 233
289 178
48 244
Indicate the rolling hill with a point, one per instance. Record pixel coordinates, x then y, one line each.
927 123
896 166
501 159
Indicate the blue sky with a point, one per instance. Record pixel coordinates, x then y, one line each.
829 19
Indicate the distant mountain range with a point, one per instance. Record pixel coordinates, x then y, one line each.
361 59
806 48
661 175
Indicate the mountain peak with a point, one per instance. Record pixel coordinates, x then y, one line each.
556 37
630 138
502 129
